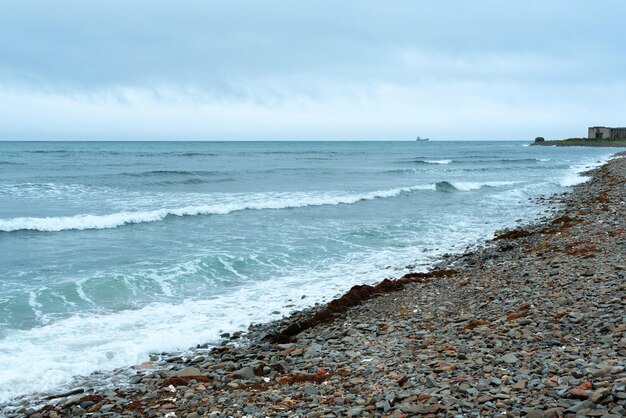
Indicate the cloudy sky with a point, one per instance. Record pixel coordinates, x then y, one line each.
222 70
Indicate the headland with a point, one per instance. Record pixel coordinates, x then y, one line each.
582 142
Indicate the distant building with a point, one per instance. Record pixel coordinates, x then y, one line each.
603 132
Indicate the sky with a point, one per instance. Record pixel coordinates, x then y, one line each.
310 70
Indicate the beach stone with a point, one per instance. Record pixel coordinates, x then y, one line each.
521 385
598 395
310 390
508 358
580 406
355 411
578 393
245 373
188 371
313 350
601 372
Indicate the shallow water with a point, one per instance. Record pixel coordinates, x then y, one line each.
110 251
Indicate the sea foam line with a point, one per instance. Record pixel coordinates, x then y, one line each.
254 202
49 358
441 162
258 202
574 175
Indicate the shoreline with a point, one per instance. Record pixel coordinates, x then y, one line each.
581 142
415 338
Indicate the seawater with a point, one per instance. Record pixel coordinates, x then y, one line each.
110 251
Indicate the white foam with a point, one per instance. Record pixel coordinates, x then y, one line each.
573 176
237 203
50 357
52 190
444 162
35 306
466 186
81 292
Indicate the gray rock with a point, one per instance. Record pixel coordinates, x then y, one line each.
310 390
580 406
508 358
188 371
245 373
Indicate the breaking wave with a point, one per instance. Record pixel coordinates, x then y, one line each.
440 162
253 202
466 186
576 174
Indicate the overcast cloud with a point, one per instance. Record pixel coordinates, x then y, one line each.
193 69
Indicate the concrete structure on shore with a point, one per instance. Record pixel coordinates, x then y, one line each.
603 132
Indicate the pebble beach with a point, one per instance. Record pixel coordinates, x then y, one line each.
532 324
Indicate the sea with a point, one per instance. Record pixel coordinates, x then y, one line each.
112 251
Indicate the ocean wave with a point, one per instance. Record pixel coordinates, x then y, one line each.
160 173
296 152
504 161
258 202
196 154
575 175
466 186
190 181
266 201
55 151
483 161
50 190
441 162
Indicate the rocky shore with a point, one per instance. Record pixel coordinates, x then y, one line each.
580 142
533 324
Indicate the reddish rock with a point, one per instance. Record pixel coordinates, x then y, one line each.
402 380
553 413
175 381
577 393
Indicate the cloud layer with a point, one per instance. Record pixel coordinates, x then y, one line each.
309 70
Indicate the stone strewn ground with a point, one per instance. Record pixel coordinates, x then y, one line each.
533 325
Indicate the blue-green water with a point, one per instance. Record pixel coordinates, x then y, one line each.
110 251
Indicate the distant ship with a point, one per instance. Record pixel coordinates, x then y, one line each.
421 139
